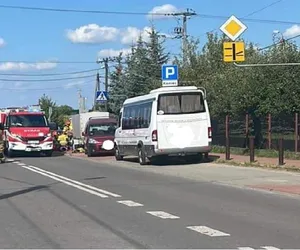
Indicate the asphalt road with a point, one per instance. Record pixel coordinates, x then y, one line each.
63 202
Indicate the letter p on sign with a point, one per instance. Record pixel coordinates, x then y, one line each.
170 71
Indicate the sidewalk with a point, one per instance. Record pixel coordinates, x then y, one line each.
263 161
223 172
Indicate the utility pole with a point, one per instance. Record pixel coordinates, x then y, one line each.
106 81
97 88
79 101
106 61
182 31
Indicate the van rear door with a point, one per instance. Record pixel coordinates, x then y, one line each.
183 120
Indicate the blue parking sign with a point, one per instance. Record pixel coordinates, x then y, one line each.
169 75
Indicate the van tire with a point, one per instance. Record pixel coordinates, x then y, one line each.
10 153
48 153
117 154
142 156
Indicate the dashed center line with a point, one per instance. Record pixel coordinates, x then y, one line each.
270 248
130 203
208 231
163 215
265 247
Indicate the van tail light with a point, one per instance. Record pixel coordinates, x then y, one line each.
209 133
154 135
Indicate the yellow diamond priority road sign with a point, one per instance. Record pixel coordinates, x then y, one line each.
233 28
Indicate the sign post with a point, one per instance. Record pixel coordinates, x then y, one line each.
233 51
169 75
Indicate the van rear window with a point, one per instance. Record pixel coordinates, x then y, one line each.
102 129
181 103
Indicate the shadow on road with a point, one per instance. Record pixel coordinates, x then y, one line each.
175 160
24 191
38 154
94 178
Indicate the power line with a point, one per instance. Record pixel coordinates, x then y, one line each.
38 89
263 8
252 20
251 14
46 80
57 62
280 42
143 13
50 74
81 11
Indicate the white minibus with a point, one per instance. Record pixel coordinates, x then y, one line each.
169 121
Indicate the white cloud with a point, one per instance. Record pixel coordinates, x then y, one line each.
92 34
80 82
131 35
113 52
292 31
7 66
2 42
158 11
73 84
18 84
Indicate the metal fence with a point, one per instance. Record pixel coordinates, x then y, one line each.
266 130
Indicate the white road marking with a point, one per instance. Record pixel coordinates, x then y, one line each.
163 215
131 203
208 231
77 182
10 160
67 182
21 164
245 248
270 248
275 180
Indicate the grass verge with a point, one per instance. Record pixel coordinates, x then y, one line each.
269 153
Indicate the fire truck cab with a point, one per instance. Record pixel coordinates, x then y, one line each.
26 130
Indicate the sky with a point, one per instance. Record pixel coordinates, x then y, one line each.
38 43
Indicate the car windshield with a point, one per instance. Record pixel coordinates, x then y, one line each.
102 129
181 103
27 121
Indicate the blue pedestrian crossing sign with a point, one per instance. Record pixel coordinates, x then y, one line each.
101 96
169 75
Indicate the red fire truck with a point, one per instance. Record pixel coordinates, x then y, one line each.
26 130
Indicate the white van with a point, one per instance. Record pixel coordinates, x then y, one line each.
170 121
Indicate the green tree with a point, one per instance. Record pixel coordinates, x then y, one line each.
61 113
45 103
138 70
117 88
157 57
